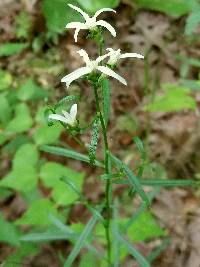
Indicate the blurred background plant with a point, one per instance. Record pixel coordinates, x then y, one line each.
41 216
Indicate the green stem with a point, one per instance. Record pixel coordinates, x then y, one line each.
107 170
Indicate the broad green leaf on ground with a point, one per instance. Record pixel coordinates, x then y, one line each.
15 259
58 14
5 110
175 98
9 49
8 232
30 90
127 123
38 213
22 120
5 80
16 143
46 135
26 154
175 8
88 260
94 5
22 179
192 21
145 228
51 173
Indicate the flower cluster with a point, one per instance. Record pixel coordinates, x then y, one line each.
92 66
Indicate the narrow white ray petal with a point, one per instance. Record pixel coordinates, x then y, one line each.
101 58
85 56
103 10
85 15
73 111
126 55
65 113
58 118
76 34
107 26
111 73
75 25
68 79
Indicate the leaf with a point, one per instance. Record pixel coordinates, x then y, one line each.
134 252
5 80
49 235
30 90
69 154
192 21
38 213
94 5
51 174
58 14
161 182
94 141
16 143
8 232
10 49
46 135
5 110
133 180
144 228
140 146
22 120
174 8
88 260
105 91
23 179
176 98
29 153
80 242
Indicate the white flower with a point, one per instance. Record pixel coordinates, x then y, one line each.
91 66
68 118
90 22
116 55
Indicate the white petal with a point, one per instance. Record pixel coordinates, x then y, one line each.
85 56
58 118
107 26
126 55
85 15
73 111
103 10
76 34
75 25
101 58
65 113
111 73
68 79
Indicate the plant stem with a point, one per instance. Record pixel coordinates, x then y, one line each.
107 170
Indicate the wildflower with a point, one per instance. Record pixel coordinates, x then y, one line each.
116 55
90 22
68 118
91 66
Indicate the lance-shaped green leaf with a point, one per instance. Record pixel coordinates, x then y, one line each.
69 154
105 90
94 141
133 180
134 252
80 242
161 182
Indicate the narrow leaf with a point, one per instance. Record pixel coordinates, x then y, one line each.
161 182
134 252
133 180
66 99
105 90
69 154
94 141
80 242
